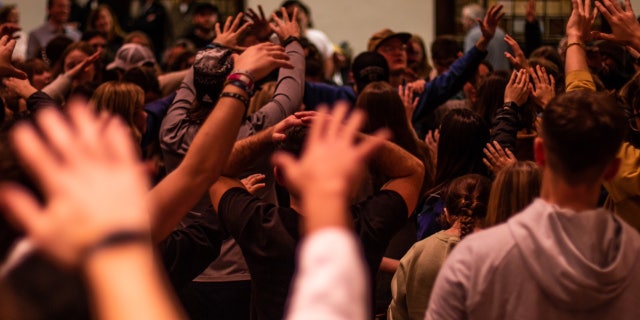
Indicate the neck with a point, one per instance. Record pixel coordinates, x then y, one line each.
578 197
57 25
455 229
294 203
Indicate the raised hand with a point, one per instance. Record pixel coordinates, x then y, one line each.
6 68
294 120
581 20
286 27
431 140
254 182
517 89
496 157
93 182
625 29
319 167
409 103
518 59
489 24
417 86
21 86
261 27
543 88
80 67
8 29
261 59
231 32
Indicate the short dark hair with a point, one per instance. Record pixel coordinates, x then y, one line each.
445 47
582 132
294 142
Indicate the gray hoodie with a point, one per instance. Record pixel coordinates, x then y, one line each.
544 263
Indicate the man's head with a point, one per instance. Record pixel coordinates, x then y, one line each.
392 46
205 16
470 14
59 10
444 51
369 67
581 134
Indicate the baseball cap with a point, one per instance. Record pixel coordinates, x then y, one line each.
368 67
210 70
384 34
132 55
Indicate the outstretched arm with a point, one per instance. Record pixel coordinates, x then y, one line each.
208 153
95 217
578 31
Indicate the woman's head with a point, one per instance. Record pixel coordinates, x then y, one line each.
103 20
466 200
463 135
513 189
490 96
74 55
385 109
38 73
124 99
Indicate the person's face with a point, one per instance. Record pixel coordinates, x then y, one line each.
39 81
303 19
395 52
14 16
470 90
104 21
414 52
60 10
98 43
76 57
205 20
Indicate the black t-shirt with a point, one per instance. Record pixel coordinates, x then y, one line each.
268 236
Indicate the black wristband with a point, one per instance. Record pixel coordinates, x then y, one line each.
236 96
511 105
290 39
116 239
241 85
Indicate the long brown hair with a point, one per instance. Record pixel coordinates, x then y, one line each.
124 99
513 189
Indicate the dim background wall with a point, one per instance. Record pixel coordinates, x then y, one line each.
342 20
356 20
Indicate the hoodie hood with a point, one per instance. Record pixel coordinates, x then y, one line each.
581 260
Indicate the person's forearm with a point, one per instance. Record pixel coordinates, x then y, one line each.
576 56
394 162
483 43
126 283
201 166
58 88
246 151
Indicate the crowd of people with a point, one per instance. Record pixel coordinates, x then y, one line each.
248 168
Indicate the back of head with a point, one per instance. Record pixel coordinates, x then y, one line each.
490 96
147 79
120 98
55 49
549 53
368 67
294 142
470 13
463 135
582 132
444 51
513 189
466 199
384 109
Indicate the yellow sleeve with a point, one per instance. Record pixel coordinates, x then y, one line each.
579 80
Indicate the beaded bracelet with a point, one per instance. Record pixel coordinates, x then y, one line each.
237 96
290 39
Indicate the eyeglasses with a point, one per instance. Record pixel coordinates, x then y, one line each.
388 48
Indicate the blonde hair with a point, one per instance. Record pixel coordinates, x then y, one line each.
513 189
124 99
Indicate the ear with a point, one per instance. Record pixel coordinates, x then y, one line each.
277 174
611 169
539 152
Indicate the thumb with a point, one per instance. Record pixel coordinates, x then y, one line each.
602 36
